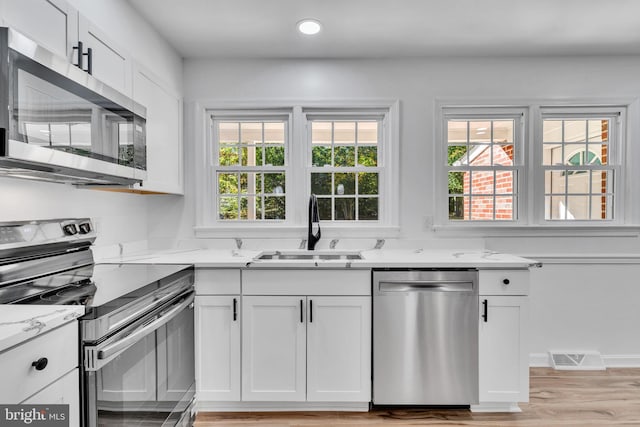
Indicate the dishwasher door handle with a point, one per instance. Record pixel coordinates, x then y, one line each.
425 286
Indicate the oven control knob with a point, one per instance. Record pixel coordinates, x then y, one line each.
85 228
70 229
40 364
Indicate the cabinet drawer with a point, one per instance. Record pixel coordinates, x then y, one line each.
306 282
504 282
59 346
212 281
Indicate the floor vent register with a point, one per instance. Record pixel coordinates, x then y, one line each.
586 361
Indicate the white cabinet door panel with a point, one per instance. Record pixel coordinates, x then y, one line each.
111 63
218 348
339 349
503 354
273 348
164 134
51 23
65 391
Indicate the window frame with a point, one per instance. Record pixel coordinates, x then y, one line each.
489 113
532 185
616 161
214 160
297 178
311 115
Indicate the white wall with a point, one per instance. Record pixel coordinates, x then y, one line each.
418 84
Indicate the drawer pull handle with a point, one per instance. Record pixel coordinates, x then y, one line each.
505 281
40 364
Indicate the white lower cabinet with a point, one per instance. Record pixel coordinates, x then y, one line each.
306 348
273 348
43 370
217 322
503 353
65 391
339 349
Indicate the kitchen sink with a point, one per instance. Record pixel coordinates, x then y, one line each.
309 256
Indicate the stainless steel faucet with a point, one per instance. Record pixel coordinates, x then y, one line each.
238 243
379 244
333 243
314 217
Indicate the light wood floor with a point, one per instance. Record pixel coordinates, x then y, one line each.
558 398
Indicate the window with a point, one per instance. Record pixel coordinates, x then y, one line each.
579 162
345 168
483 158
570 171
260 165
251 155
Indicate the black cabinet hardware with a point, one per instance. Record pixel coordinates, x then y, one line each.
89 60
40 364
310 311
235 309
485 310
505 281
301 314
80 55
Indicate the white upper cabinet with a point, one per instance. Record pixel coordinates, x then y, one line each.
58 27
164 133
110 63
52 23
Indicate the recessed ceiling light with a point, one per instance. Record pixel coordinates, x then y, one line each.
309 26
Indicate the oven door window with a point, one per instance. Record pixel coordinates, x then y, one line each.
150 383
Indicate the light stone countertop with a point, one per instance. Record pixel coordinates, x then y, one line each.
19 323
383 258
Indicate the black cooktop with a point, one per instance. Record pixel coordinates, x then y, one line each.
94 286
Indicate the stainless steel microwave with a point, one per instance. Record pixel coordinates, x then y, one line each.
58 123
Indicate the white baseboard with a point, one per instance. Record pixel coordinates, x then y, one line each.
281 406
541 360
495 407
621 361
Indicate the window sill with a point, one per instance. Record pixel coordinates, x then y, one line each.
479 230
275 231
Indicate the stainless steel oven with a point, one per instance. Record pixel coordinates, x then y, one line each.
136 336
144 373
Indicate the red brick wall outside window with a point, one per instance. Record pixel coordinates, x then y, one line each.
480 205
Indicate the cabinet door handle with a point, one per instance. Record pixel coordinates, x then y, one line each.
80 55
301 312
485 310
89 60
235 309
40 364
310 311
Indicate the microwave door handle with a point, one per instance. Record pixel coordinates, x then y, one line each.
104 353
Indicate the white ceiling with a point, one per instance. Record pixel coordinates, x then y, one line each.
396 28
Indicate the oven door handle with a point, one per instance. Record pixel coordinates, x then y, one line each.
98 356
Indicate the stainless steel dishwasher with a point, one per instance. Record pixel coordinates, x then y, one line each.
425 337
